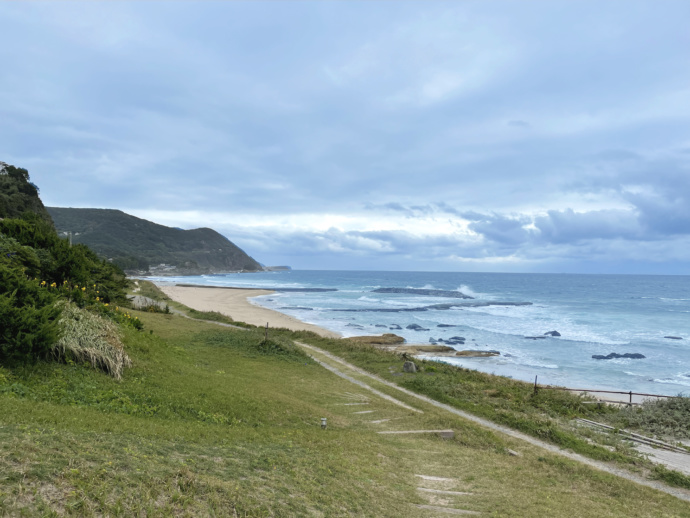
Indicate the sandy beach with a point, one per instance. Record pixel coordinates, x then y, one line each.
234 302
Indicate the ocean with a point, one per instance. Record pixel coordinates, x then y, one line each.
594 315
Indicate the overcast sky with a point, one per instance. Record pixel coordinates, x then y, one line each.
456 136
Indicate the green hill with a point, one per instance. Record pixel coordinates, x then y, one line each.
137 244
18 195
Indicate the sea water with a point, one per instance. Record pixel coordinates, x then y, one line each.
594 314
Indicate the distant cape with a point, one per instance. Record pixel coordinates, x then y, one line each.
143 247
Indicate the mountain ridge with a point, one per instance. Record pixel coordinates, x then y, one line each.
141 246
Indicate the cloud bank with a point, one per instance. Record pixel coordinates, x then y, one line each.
484 136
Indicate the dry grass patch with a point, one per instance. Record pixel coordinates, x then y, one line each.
87 337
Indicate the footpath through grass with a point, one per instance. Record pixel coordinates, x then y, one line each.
213 421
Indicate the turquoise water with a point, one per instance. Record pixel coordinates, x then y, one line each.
595 315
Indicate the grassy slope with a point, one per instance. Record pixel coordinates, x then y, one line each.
209 423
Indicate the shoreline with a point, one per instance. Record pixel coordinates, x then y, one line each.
235 303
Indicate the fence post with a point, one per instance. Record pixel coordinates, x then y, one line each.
631 397
266 335
535 386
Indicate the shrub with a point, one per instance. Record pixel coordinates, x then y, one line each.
668 417
28 317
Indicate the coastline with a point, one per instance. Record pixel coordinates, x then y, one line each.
234 302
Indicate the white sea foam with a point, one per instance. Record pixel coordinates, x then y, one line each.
471 293
673 381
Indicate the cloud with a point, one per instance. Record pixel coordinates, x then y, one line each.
442 134
518 124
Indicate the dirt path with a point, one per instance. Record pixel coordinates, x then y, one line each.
336 365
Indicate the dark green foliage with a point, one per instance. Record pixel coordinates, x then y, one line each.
671 477
668 417
18 195
37 269
34 245
213 316
135 244
28 316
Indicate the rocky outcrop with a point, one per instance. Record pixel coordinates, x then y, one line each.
416 327
674 337
477 354
386 339
450 305
409 367
439 350
612 356
552 333
424 292
453 340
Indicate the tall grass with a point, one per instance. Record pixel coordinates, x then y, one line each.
662 418
87 337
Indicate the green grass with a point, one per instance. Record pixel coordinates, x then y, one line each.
215 421
211 316
546 415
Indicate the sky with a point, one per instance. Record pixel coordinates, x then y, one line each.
496 136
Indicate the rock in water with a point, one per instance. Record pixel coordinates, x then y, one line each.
612 356
416 327
552 333
674 337
409 367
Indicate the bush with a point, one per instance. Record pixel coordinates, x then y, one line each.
28 317
667 417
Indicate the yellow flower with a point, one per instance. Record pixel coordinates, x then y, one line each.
106 303
97 299
83 289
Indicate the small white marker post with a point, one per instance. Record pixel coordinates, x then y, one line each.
323 423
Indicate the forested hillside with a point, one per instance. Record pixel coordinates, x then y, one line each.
137 244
